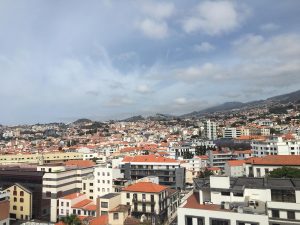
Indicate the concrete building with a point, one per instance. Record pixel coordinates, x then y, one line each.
240 201
275 146
20 202
168 170
231 132
219 158
60 180
210 130
4 208
104 180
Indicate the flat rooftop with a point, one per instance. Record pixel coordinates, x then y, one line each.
240 183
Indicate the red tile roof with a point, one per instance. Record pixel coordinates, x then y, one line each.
148 158
72 196
278 160
80 163
100 220
82 203
236 162
91 207
147 187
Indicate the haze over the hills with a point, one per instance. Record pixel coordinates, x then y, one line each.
60 61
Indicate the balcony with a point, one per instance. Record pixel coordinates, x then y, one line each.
135 200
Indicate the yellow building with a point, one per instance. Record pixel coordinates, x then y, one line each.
20 202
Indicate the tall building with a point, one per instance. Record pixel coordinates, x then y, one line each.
275 146
169 171
210 130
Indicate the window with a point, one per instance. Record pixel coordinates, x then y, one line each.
275 213
61 211
143 196
48 194
283 196
152 208
21 193
21 208
15 193
104 204
21 199
144 207
15 199
127 195
62 204
152 198
291 215
91 184
108 174
219 222
239 194
14 207
225 193
68 204
108 181
188 220
116 216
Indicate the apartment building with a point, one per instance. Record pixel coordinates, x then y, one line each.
241 201
20 202
168 170
275 146
210 130
60 180
147 199
262 166
4 206
219 158
104 180
193 167
231 132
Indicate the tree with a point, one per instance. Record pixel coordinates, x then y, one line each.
205 173
285 171
71 220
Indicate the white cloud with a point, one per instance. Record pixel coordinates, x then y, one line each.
161 10
214 18
143 89
154 29
180 101
269 27
204 47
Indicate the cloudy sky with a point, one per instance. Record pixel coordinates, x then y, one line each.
65 59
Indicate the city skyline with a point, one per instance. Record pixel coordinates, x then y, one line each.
61 61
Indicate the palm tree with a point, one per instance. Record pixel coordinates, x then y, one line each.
71 220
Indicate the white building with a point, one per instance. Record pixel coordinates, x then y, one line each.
275 146
210 130
61 180
241 201
262 166
231 132
104 178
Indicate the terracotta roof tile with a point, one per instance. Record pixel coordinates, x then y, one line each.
100 220
82 203
72 196
279 160
80 163
147 187
148 158
236 162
